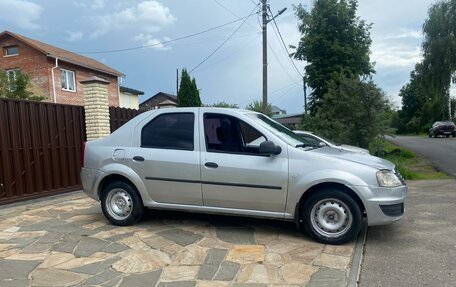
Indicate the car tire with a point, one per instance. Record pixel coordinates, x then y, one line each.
331 216
121 203
430 135
447 136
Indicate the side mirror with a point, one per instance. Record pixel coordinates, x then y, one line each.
268 147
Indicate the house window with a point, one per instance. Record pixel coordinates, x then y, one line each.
11 51
68 80
12 76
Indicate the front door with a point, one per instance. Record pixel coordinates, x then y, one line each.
168 160
233 172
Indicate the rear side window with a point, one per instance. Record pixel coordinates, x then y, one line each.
169 131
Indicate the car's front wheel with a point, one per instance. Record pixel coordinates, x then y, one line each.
121 203
331 216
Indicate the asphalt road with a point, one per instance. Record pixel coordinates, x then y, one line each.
440 151
419 250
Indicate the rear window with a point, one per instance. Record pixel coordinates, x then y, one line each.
169 131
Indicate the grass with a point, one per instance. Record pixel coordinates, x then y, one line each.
410 165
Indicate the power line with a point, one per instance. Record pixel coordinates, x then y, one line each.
164 42
224 42
280 63
234 14
284 46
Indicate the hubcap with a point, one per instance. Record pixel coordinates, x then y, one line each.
119 204
331 217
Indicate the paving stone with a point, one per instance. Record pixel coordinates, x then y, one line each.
211 264
332 261
15 283
56 258
145 279
87 246
114 248
56 277
16 269
67 247
113 282
237 235
22 242
139 261
177 284
227 271
296 273
65 228
97 267
83 232
38 248
259 273
102 277
50 238
248 285
246 254
181 237
327 278
182 273
156 242
117 237
44 225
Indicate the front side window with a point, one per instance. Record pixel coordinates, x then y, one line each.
68 80
11 51
169 131
225 133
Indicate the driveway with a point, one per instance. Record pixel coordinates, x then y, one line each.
419 250
440 151
66 241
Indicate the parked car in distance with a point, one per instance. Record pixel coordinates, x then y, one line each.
442 128
321 141
236 162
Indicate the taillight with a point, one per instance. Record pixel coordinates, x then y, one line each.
83 153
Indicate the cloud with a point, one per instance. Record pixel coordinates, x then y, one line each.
98 4
21 13
147 16
150 40
388 55
73 36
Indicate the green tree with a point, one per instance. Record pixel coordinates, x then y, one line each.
188 92
334 41
16 87
352 111
257 106
224 104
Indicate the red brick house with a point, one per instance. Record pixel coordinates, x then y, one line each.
55 73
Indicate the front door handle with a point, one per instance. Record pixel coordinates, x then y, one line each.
211 164
138 158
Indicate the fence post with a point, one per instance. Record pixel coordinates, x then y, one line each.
96 107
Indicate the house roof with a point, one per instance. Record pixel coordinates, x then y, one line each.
167 102
130 90
172 98
64 55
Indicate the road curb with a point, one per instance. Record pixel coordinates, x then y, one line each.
353 275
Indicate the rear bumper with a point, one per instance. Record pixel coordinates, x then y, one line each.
384 205
90 179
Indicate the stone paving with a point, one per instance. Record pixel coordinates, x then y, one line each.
66 241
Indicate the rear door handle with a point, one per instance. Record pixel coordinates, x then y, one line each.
211 164
138 158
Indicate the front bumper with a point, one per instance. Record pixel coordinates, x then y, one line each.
383 204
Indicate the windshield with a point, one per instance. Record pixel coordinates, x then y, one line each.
281 131
328 141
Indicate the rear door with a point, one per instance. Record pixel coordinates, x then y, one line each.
168 158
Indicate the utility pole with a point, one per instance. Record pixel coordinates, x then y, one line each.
265 56
264 10
177 83
305 93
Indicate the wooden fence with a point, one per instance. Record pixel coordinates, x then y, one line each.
119 116
41 147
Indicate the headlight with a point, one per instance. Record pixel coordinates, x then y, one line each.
388 178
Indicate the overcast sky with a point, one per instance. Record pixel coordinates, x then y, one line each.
232 74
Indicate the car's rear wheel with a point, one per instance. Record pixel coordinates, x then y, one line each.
331 216
121 203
